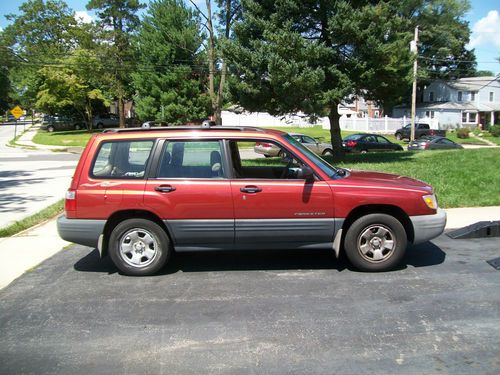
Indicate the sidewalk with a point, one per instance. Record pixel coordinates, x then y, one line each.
26 140
26 250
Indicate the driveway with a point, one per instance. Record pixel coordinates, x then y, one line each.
258 312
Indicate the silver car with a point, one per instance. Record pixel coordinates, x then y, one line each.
320 148
433 143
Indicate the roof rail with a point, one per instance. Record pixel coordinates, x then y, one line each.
175 128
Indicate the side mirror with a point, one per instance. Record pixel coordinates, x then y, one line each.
305 173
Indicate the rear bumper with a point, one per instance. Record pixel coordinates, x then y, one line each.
427 227
81 231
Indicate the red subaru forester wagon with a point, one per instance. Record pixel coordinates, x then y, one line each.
140 194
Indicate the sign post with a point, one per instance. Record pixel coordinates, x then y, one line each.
16 112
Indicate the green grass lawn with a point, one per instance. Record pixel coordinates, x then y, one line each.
65 138
461 178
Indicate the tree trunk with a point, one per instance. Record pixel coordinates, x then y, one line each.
121 111
220 92
211 58
335 135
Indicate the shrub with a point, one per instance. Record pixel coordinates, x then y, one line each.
495 131
463 133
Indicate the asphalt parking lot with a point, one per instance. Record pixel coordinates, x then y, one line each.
257 313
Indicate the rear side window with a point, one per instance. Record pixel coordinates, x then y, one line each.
191 159
125 160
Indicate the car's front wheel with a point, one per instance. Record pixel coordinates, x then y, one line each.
399 136
50 128
375 242
139 247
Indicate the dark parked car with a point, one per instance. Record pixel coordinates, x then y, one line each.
106 120
368 142
421 130
433 143
58 123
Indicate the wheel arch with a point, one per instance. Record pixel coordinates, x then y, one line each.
120 216
391 210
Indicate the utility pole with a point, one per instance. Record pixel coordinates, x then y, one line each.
414 49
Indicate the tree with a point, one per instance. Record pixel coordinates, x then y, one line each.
118 21
68 87
170 75
308 56
41 32
228 12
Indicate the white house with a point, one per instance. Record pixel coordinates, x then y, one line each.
465 102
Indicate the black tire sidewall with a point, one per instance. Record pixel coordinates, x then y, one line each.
358 226
164 247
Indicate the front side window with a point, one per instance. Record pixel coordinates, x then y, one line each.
191 159
124 160
381 139
263 160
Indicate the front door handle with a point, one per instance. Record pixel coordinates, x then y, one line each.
250 189
165 188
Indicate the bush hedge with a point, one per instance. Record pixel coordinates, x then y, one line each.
463 133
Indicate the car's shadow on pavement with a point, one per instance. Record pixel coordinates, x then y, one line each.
423 255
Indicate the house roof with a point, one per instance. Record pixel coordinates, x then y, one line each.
463 106
472 83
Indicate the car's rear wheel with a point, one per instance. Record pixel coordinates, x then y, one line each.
363 151
327 152
78 126
398 136
50 128
100 125
375 242
139 247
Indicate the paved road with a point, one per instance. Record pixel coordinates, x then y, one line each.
30 180
257 313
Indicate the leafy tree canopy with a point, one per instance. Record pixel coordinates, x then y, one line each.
170 75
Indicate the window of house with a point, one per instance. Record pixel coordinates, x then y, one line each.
431 96
429 114
492 97
472 96
464 116
460 94
472 117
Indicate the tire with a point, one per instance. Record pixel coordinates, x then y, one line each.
363 151
327 152
51 128
375 243
398 136
100 125
139 247
78 126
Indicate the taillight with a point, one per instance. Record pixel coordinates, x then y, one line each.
426 145
351 143
70 202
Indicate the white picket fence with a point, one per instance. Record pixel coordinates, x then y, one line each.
361 124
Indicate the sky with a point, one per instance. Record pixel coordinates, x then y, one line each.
484 20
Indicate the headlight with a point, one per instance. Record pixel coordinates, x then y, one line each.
430 201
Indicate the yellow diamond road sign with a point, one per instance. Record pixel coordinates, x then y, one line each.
17 112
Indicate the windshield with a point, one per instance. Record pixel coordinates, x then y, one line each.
353 137
319 162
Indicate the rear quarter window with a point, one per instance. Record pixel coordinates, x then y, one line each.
122 159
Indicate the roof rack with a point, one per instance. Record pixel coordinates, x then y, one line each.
175 128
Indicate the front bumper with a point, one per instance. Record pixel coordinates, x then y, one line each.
81 231
427 227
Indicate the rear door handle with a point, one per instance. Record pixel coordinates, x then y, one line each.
250 189
165 188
